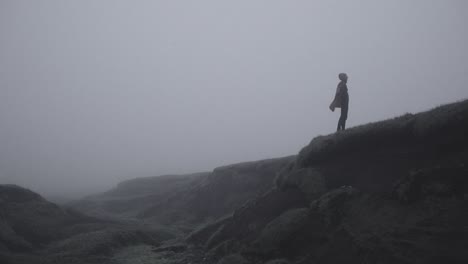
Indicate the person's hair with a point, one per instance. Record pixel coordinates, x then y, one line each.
343 76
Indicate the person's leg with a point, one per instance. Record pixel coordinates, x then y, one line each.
340 123
343 117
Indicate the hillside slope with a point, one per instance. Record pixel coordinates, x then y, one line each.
394 191
129 198
185 201
28 221
33 230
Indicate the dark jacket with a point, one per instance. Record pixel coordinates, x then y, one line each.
341 99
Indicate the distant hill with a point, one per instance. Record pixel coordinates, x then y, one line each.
33 230
130 198
185 200
28 221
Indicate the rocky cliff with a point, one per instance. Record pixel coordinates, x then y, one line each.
394 191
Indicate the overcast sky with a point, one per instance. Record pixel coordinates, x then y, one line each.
95 92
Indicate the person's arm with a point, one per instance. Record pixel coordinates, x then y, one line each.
336 100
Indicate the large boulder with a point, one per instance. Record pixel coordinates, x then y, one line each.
248 221
331 206
282 229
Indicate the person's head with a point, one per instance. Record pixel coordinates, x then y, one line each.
343 77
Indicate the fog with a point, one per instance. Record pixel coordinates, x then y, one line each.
96 92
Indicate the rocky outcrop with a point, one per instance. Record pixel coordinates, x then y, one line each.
281 230
373 157
394 191
230 187
438 182
308 180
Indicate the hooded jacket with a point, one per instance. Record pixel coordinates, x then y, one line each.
341 96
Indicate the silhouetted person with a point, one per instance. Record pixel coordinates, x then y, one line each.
341 101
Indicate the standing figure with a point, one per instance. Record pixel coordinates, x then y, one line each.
341 101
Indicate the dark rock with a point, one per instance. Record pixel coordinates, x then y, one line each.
282 229
331 205
248 221
434 182
307 180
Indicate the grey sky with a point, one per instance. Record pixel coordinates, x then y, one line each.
95 92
